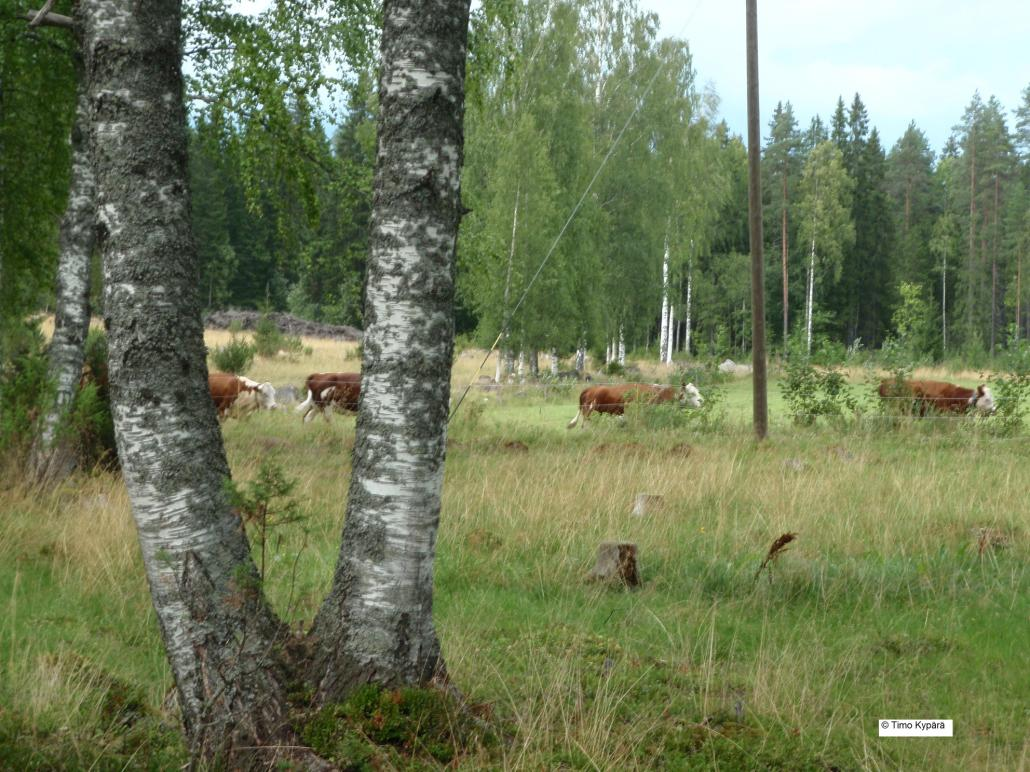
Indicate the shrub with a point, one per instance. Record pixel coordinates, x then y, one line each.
236 356
1012 390
269 340
24 386
811 393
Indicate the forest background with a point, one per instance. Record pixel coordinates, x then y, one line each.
922 247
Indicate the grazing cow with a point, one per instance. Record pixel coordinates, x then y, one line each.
328 389
226 389
940 396
613 399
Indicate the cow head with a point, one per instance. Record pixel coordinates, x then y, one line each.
689 395
264 393
266 396
983 401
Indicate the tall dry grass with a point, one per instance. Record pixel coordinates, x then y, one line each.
889 603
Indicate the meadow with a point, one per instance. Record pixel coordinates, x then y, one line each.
904 595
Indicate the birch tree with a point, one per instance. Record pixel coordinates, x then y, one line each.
226 647
72 313
824 221
377 623
219 633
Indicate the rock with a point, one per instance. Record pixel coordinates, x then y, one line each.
728 366
616 561
288 324
645 503
286 394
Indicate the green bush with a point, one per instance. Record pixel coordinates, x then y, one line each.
236 356
811 393
269 340
24 386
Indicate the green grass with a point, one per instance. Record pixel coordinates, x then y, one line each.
888 605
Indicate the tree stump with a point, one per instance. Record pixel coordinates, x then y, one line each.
616 561
644 503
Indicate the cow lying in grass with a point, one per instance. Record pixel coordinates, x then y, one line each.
939 396
613 399
229 390
326 390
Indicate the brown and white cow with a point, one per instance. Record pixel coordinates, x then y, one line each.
940 396
326 390
226 389
613 399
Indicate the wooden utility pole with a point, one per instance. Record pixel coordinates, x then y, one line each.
760 396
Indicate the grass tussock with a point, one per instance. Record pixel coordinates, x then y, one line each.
907 596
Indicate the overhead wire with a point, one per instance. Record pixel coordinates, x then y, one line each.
576 208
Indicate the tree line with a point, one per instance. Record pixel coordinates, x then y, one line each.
655 256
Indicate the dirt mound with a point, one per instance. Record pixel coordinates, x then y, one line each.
288 324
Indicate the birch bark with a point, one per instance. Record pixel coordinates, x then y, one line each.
220 635
71 317
663 340
377 622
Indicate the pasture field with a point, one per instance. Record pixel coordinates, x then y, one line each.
905 595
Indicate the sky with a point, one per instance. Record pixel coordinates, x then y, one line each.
910 60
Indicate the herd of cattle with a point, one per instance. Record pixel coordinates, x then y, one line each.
328 391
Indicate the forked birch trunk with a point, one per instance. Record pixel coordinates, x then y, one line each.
52 460
377 622
222 639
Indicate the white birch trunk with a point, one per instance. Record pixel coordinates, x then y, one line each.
672 331
71 316
504 357
224 643
622 348
554 361
581 359
944 306
609 356
377 623
521 369
810 300
663 339
686 326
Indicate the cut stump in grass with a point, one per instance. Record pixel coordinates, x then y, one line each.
646 503
616 561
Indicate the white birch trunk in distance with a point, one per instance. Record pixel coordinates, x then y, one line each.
51 461
581 359
521 367
663 339
608 357
377 622
944 305
534 363
504 357
686 326
672 333
554 361
622 348
809 301
222 639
